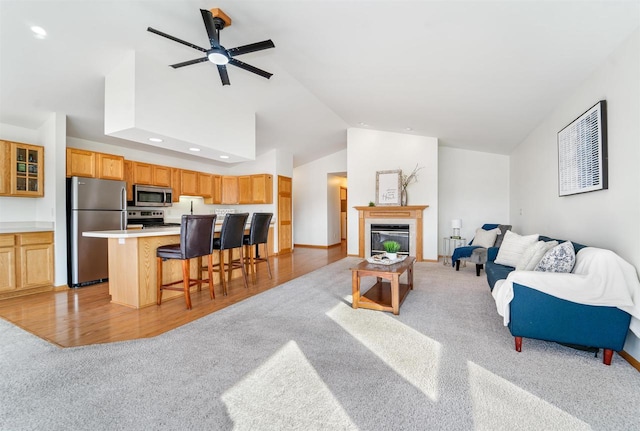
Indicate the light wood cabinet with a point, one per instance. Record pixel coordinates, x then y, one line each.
142 173
128 177
22 169
90 164
110 166
262 189
26 262
189 183
161 176
176 184
229 189
216 193
244 189
214 189
205 185
7 263
81 163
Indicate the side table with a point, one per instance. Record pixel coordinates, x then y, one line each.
448 245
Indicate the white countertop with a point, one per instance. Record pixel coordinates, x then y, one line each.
25 227
134 233
141 233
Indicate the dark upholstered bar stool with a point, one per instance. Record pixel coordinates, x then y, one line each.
231 235
196 239
258 234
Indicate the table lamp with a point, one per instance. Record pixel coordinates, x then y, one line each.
456 224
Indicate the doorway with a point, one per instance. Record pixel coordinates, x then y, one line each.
343 213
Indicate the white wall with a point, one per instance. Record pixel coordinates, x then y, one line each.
20 209
472 187
608 218
311 197
369 151
48 211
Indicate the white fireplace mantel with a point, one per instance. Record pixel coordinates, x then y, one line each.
380 213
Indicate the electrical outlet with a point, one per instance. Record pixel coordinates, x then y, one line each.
520 211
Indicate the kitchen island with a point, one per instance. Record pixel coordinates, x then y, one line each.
132 264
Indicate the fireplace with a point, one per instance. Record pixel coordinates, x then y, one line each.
410 215
389 232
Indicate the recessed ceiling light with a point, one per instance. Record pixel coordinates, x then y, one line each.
362 123
408 129
224 157
194 149
39 32
155 139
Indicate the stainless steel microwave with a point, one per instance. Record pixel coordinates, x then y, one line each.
152 196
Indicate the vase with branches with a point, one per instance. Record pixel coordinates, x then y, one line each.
406 180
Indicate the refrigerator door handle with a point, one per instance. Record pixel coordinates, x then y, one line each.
123 198
123 220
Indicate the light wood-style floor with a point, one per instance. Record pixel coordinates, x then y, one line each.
77 317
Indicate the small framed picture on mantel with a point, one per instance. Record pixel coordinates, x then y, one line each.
388 184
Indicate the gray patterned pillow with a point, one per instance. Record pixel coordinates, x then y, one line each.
560 258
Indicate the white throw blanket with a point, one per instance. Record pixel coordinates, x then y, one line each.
600 277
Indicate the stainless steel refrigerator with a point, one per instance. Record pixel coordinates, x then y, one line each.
92 204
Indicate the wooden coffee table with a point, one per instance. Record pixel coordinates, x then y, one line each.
383 296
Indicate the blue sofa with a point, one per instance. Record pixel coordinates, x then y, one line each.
535 314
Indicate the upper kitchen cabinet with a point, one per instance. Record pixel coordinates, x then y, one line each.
229 189
110 167
205 185
161 176
216 193
22 172
176 183
244 189
81 163
189 183
262 189
84 163
142 173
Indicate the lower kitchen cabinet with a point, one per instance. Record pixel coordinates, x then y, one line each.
26 263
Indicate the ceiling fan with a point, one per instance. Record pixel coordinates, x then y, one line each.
214 21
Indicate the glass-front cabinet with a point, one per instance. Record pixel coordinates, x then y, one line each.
24 165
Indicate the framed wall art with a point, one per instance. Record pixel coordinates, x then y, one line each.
582 153
388 185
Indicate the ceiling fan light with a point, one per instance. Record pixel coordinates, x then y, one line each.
218 57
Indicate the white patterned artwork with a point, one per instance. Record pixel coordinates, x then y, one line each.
582 153
388 187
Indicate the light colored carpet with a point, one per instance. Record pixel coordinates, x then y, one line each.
299 357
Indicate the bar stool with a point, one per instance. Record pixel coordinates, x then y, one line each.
196 240
231 235
258 234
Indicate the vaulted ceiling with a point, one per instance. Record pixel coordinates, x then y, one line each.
477 75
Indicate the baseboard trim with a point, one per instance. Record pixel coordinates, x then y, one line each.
630 359
322 247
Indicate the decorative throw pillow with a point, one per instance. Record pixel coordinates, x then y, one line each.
560 258
513 247
485 238
503 229
533 254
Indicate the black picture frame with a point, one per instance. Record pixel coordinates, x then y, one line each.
582 153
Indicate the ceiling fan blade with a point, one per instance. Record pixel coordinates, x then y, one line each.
190 62
175 39
212 32
250 68
252 47
224 76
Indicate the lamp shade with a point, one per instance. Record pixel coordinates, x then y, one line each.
456 223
